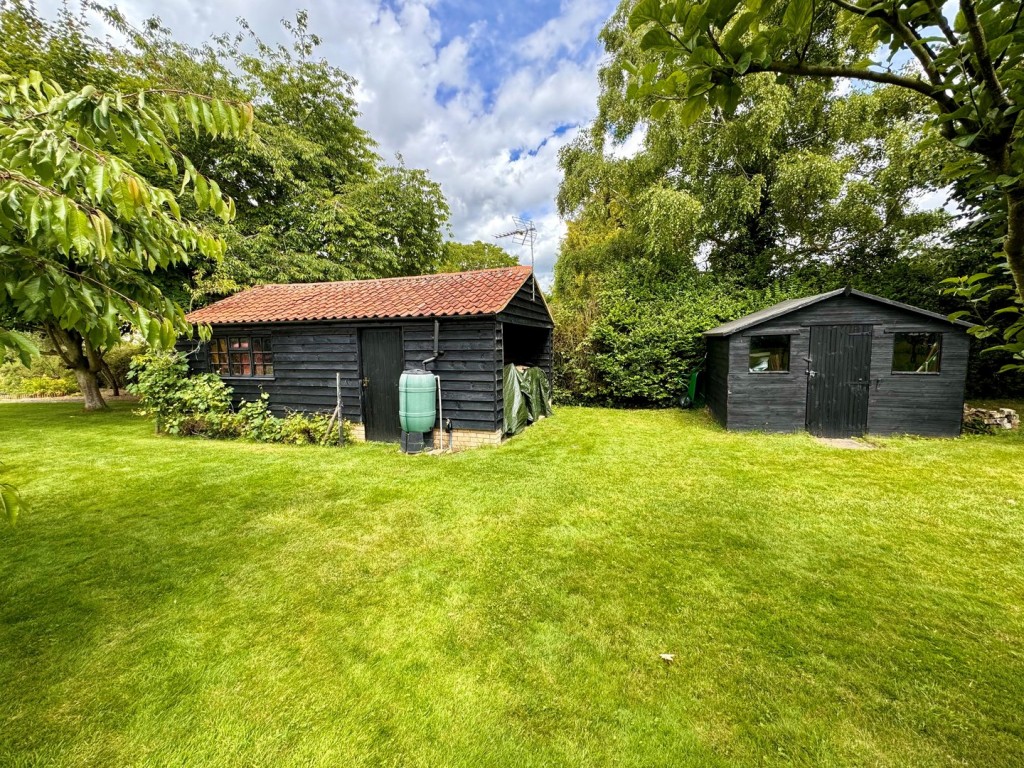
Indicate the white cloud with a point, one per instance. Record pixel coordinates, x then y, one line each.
630 147
938 199
571 30
494 153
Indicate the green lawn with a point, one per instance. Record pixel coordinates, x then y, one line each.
188 602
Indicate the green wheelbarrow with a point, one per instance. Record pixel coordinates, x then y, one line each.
694 397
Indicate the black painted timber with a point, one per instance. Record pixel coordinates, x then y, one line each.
717 379
838 376
381 353
897 403
527 307
307 355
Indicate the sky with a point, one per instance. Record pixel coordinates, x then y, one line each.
482 94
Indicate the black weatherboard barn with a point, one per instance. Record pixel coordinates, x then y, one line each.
290 341
839 364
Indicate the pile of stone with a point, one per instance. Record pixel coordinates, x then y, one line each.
989 420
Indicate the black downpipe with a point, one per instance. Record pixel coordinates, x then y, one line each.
437 354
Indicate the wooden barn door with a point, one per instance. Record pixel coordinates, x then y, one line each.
380 350
838 377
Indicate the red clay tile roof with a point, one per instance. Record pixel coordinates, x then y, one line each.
482 292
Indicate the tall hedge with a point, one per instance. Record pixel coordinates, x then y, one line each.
634 343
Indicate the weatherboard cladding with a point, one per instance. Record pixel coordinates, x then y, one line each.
309 353
792 305
717 384
898 403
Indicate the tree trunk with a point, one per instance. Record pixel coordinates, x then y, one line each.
89 383
80 357
1013 245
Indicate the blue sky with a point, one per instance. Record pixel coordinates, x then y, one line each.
482 94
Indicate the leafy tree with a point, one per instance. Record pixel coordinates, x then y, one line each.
315 200
801 179
82 231
461 257
62 49
967 69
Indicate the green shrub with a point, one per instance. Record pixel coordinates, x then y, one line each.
312 429
119 360
46 376
165 390
258 423
200 405
635 344
44 386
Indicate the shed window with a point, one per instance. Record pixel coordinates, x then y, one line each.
242 356
769 354
917 353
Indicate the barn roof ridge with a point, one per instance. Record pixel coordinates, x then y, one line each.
792 305
445 294
519 267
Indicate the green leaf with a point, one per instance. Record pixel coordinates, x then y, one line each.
57 300
797 17
965 141
655 39
201 193
35 217
80 231
658 109
644 12
11 504
23 346
33 289
95 183
692 110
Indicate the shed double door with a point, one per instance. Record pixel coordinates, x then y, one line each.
380 350
838 380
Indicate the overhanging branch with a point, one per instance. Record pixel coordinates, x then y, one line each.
988 71
883 78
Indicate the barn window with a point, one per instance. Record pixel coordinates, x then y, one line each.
917 353
242 356
769 354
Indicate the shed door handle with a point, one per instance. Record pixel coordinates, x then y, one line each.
366 382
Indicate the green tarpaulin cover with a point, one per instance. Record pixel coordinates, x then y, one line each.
527 397
538 393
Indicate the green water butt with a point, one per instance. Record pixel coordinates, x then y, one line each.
417 400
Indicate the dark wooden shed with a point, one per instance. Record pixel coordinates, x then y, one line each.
290 341
839 364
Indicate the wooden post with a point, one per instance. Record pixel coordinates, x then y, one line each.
339 411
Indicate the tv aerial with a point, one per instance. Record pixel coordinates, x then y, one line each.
523 233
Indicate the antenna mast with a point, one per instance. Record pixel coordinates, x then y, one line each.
523 233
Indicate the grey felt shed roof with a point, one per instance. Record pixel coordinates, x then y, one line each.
791 305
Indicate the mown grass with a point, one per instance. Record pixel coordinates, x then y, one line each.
189 602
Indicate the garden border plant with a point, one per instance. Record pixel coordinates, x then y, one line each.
200 405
